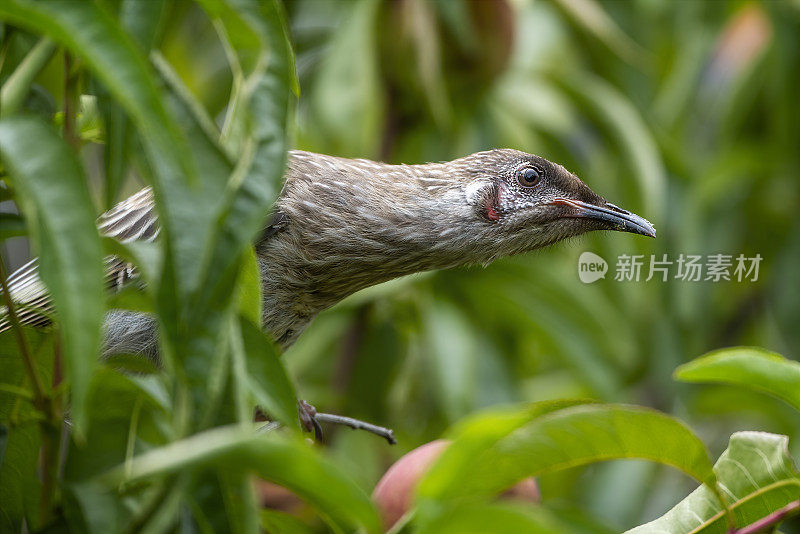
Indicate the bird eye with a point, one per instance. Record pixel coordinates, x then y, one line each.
528 177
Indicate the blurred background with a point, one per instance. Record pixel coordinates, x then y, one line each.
684 112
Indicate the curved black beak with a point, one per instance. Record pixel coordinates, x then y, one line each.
615 217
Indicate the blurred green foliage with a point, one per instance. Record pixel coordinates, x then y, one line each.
684 112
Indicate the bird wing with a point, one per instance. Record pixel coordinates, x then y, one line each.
133 219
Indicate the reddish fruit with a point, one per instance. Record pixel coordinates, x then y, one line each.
395 490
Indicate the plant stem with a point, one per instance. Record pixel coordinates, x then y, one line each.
70 103
763 524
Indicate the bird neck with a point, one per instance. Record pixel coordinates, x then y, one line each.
351 224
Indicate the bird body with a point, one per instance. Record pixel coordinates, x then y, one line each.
340 225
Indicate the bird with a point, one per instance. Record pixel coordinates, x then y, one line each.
340 225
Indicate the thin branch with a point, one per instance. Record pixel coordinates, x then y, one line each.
310 420
385 433
769 521
71 98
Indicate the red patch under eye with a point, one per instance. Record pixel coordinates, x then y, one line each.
490 203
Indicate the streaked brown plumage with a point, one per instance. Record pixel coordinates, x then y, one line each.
341 225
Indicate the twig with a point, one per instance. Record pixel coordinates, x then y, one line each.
356 424
310 420
70 103
772 519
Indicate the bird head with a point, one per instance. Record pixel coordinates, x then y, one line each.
519 202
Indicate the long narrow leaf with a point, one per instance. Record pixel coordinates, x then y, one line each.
268 381
474 436
91 33
287 462
253 187
749 367
479 518
756 473
19 83
88 31
575 436
20 486
11 225
55 200
143 21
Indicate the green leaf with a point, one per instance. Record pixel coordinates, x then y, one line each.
89 122
118 134
19 483
11 225
249 287
145 255
479 518
750 367
238 494
132 364
144 21
248 53
473 437
130 298
453 356
347 94
54 198
243 206
191 326
90 507
624 122
270 385
127 414
553 439
3 443
5 192
288 462
282 523
89 32
254 184
591 17
16 87
200 129
757 476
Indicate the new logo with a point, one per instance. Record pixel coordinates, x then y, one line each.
591 267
